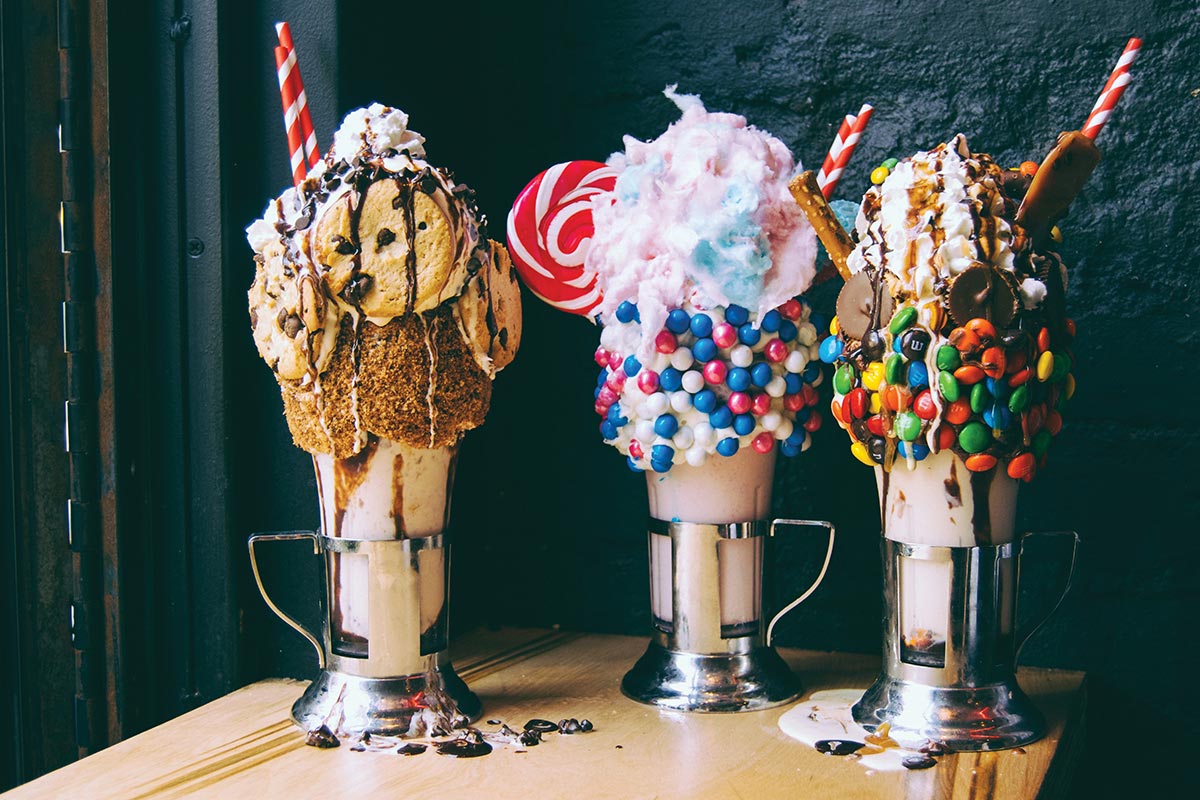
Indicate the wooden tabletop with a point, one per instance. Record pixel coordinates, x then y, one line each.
244 745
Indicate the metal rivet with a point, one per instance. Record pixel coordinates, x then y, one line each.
195 247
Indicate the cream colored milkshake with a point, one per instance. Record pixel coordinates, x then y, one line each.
722 490
941 504
388 491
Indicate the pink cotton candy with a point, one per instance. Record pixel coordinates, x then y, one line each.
700 217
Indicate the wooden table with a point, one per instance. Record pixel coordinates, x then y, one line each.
244 746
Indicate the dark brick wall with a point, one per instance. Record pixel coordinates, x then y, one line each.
548 519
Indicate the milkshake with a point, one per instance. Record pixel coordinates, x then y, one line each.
951 348
384 312
952 358
691 254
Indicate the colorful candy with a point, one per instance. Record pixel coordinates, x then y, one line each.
716 381
550 228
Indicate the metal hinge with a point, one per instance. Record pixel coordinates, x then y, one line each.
81 406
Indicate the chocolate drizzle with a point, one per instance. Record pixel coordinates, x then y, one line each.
981 517
953 490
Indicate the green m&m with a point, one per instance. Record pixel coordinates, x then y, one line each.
974 437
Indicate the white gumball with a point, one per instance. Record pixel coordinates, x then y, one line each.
696 456
796 361
693 381
684 438
703 434
682 358
741 356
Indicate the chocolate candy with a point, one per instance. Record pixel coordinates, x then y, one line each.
1022 467
982 292
903 318
873 345
872 377
980 398
918 762
893 368
843 379
974 437
923 405
948 386
856 306
1019 400
914 343
908 426
918 374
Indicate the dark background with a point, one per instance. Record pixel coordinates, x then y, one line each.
548 522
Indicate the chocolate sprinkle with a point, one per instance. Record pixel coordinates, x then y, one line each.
321 737
541 726
918 762
838 747
464 748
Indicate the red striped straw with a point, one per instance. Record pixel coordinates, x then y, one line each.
291 123
842 149
1112 91
295 105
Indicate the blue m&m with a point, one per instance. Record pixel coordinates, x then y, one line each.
743 424
736 315
771 321
670 379
727 446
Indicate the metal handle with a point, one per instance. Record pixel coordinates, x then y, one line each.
802 523
1070 577
286 537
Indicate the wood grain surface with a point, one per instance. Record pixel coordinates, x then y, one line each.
244 745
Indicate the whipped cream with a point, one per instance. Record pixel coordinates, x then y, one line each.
935 215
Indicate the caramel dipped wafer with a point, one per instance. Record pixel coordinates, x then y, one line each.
1057 182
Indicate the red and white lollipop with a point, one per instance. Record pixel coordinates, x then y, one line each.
549 230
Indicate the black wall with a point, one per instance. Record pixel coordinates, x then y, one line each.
550 523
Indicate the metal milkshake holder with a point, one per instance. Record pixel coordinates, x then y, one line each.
962 693
379 682
694 662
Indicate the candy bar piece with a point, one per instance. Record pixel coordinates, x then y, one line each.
837 242
1058 181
